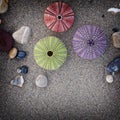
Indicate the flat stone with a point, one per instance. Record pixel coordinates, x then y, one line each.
116 39
18 81
22 35
41 81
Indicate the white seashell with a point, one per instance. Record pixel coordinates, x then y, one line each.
41 81
113 10
18 81
3 6
22 35
109 78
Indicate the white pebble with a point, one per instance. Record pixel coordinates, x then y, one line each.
41 81
109 78
22 35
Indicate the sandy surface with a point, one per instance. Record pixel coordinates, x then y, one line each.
76 91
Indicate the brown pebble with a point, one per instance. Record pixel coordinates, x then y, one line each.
12 53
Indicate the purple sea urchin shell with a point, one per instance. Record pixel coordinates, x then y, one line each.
6 41
89 42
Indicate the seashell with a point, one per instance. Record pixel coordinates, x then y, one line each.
92 46
59 21
41 81
21 55
116 39
3 6
23 69
22 35
18 81
6 41
109 78
12 53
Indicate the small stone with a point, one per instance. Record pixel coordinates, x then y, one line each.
41 81
3 6
116 39
21 55
12 53
22 35
109 78
23 69
115 29
18 81
114 65
103 16
90 1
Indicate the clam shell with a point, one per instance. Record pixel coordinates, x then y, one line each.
12 53
41 81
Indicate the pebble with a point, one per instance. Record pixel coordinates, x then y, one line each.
41 81
22 35
12 53
114 65
21 55
103 16
3 6
116 39
109 78
23 69
115 29
18 81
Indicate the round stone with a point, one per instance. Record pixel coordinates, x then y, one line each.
21 55
41 81
109 78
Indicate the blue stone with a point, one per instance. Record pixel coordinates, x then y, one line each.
23 69
21 55
114 65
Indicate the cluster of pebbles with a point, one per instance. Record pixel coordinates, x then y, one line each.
21 36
